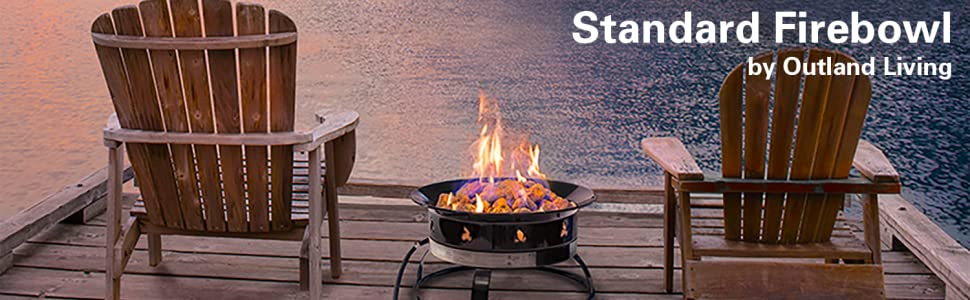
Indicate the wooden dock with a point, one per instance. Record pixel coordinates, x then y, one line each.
620 241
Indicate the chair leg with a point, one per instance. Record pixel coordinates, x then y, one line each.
112 272
870 220
114 286
316 220
669 224
686 252
154 249
335 257
333 219
683 265
112 257
305 261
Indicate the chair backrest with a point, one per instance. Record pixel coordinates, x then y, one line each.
173 66
828 111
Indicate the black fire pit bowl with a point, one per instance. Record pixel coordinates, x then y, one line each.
427 196
512 240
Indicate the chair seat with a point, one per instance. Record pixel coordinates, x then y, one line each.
300 209
300 204
707 228
299 216
838 247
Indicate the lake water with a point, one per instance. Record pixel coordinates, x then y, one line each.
413 68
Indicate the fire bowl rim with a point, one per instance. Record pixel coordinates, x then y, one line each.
578 194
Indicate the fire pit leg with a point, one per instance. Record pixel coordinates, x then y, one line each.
480 284
589 278
482 276
404 265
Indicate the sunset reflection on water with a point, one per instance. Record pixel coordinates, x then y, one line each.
413 71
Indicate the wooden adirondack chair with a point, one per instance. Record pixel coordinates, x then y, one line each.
210 131
787 213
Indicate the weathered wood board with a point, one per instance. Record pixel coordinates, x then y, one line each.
625 262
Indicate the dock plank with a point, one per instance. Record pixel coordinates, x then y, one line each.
372 273
53 209
929 243
78 284
269 267
409 232
374 250
67 262
382 250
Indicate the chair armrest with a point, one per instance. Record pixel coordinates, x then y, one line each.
673 157
873 164
332 124
113 135
112 122
855 185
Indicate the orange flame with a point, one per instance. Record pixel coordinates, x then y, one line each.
451 202
466 236
518 176
534 163
479 204
506 184
489 159
519 236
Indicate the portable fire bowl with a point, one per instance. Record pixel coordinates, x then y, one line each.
488 241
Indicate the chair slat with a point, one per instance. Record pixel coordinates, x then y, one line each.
806 141
252 71
282 96
782 132
854 119
345 154
814 95
195 82
757 99
731 126
830 135
146 115
225 97
155 17
841 100
116 78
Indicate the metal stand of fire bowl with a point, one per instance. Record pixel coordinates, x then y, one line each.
482 276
